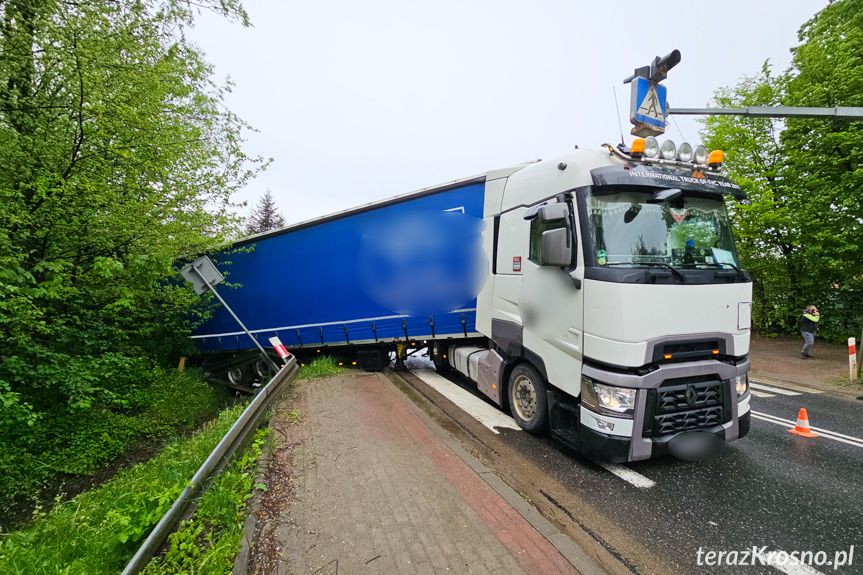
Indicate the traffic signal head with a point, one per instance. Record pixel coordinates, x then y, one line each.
660 66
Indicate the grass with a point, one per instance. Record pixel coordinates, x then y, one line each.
207 543
69 446
321 367
98 531
294 417
843 381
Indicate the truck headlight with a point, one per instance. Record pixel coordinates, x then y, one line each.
607 399
741 383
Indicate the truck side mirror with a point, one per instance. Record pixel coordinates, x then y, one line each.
555 248
553 213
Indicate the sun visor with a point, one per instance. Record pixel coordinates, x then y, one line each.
665 177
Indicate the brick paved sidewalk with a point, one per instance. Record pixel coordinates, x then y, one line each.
360 483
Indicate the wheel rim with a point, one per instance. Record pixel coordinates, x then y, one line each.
262 369
235 376
524 397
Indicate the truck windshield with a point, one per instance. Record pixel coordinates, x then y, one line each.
687 232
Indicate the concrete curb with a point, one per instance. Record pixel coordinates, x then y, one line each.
565 546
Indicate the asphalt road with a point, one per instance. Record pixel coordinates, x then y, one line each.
771 489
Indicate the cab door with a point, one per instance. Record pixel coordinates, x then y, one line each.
550 299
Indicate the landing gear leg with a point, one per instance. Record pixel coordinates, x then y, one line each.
400 357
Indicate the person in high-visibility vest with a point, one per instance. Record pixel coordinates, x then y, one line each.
808 327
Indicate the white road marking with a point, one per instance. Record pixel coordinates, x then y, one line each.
486 414
797 569
776 385
628 475
773 389
760 393
492 417
835 436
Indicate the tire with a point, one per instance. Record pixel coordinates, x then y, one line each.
237 375
527 399
441 364
263 370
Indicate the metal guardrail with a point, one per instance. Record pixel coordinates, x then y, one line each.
234 440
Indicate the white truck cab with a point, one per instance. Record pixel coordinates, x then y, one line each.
615 311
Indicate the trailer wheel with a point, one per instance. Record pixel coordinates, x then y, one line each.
263 369
527 399
237 376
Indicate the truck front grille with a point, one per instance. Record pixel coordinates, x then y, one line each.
687 420
683 405
674 399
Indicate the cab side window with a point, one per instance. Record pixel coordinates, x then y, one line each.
536 230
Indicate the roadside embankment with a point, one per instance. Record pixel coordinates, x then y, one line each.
68 450
99 530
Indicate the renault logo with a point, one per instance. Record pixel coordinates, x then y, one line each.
691 395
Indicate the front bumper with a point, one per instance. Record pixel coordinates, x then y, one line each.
616 449
648 434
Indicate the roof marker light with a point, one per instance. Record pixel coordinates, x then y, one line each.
667 150
684 152
651 147
700 154
716 158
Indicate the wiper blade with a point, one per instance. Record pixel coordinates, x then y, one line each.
673 270
739 271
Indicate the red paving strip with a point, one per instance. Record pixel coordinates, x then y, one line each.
527 546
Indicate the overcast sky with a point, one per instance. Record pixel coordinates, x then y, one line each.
359 101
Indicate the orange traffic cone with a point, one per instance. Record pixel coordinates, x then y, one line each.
802 427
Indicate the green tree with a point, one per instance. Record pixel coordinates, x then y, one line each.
800 227
117 157
266 216
768 239
826 160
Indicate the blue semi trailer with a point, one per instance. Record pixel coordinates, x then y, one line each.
596 294
352 279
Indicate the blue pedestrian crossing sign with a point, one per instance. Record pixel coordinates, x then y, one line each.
647 105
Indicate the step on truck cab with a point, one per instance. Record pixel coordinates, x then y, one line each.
596 295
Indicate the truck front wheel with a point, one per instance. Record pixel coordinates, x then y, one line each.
528 399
